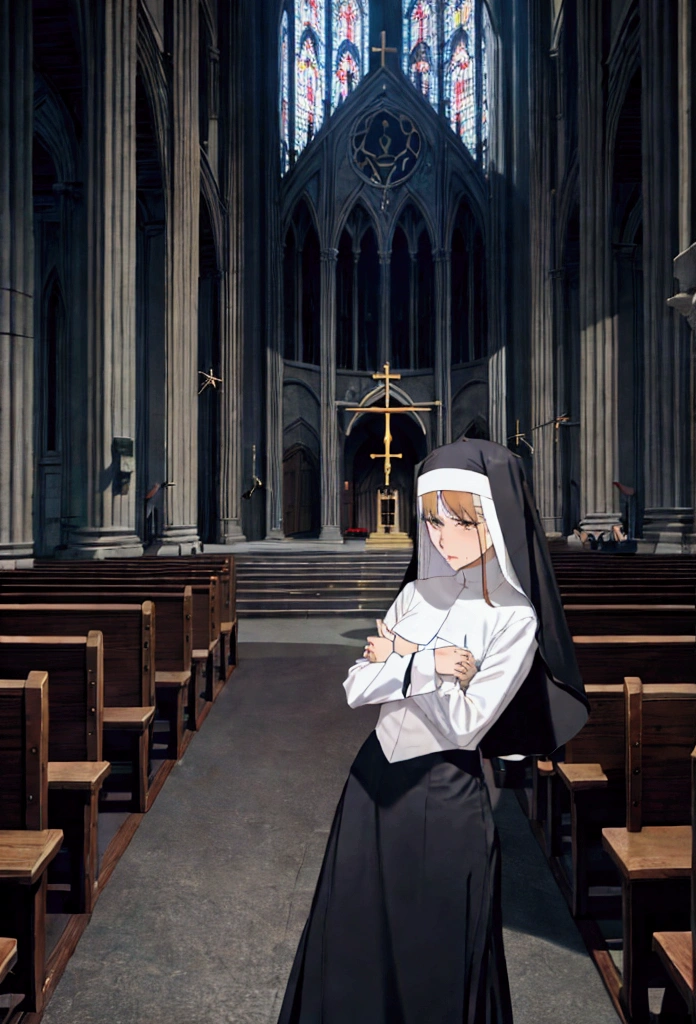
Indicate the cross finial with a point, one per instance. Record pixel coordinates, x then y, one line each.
383 48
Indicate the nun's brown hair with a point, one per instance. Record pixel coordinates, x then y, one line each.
464 506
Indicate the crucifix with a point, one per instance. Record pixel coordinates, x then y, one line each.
388 411
383 48
387 500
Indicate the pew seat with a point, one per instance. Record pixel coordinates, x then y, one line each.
25 854
24 859
8 956
133 723
657 851
676 953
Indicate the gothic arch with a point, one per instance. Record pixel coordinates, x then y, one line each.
290 217
211 197
354 205
154 78
54 126
302 384
623 62
410 199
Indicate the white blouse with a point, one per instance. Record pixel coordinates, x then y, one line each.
437 713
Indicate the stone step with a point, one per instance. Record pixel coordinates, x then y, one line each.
301 584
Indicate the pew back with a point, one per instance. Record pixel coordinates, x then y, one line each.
602 739
129 637
660 659
660 735
24 752
75 667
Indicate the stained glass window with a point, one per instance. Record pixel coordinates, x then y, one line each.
350 51
420 57
284 111
310 70
460 66
485 36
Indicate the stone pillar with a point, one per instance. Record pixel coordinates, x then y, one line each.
180 534
108 528
685 263
233 284
330 494
274 387
598 329
384 308
542 368
667 515
16 285
441 429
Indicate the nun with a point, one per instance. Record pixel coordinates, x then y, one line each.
472 660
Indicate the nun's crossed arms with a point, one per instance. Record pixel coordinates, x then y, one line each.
449 661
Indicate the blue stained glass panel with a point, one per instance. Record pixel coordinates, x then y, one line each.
310 70
460 70
421 54
350 47
284 111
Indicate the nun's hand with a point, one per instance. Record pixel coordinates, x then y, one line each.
465 667
378 648
455 661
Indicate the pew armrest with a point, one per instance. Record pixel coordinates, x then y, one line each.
172 680
676 953
85 775
657 851
25 855
226 627
544 767
128 719
8 956
582 776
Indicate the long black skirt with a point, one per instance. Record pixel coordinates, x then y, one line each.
405 926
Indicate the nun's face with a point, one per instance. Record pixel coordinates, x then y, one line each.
457 540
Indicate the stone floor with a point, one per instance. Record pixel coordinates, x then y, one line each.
200 920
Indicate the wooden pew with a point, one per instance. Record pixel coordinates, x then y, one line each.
129 637
593 780
676 949
630 619
205 590
173 651
8 956
77 766
188 569
653 851
27 845
661 659
591 770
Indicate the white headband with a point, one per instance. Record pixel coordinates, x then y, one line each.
454 480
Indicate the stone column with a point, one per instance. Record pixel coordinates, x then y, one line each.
274 387
441 428
543 369
598 333
180 534
16 285
384 308
330 494
108 528
667 515
233 288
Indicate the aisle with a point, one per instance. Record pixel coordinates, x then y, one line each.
199 922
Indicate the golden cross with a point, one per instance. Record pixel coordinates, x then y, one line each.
389 411
384 49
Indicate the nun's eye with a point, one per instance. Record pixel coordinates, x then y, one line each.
466 524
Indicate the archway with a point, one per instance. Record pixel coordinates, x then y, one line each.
365 475
301 509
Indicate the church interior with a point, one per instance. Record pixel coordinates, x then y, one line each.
258 258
